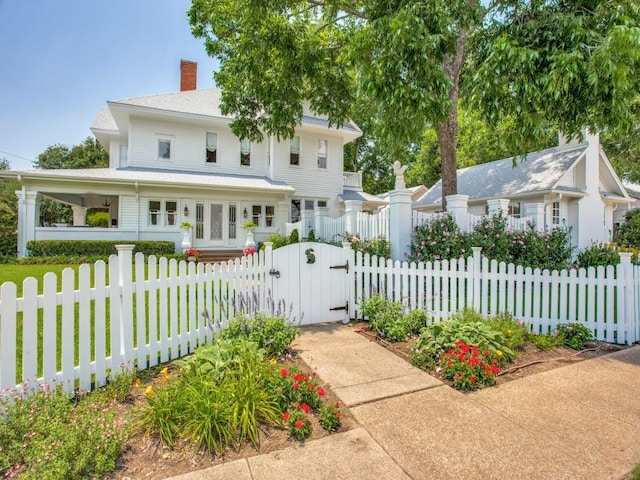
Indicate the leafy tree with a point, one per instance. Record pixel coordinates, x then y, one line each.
8 213
549 63
88 154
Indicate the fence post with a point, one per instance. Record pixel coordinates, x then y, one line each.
629 308
125 259
477 277
400 223
498 205
535 212
457 206
351 209
268 293
321 213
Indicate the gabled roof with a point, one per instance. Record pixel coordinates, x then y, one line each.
146 176
539 172
191 103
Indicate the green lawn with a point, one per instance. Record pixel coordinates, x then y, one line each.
17 273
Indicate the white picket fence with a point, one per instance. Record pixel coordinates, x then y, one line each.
372 225
121 319
606 300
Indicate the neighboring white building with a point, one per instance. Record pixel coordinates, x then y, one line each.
572 185
173 158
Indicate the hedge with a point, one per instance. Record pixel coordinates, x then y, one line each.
76 248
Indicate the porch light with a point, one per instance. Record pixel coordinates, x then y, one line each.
186 211
245 214
106 203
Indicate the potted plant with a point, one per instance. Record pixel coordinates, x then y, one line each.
250 227
192 254
186 225
186 235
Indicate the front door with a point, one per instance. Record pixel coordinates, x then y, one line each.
216 224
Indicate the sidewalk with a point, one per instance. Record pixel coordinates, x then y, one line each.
576 422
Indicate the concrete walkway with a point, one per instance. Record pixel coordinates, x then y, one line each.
576 422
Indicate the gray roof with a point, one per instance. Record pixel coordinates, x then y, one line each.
361 196
633 190
537 172
165 177
203 102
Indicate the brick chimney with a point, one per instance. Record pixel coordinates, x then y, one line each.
188 75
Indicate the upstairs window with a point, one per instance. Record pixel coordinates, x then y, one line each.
164 149
294 155
124 154
212 147
245 153
322 154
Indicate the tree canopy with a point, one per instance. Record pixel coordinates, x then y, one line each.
88 154
547 64
8 212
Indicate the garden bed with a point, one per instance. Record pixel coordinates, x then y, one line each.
146 457
529 361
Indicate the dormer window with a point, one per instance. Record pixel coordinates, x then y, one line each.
322 154
294 155
212 147
245 153
164 149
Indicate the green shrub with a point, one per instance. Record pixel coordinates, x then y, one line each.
598 254
575 335
464 326
545 342
628 233
70 248
386 319
544 250
273 334
330 417
513 332
295 236
490 233
51 435
98 219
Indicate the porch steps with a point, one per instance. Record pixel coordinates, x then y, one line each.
219 255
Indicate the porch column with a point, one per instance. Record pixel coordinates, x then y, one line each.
282 215
320 214
535 213
28 203
351 210
457 206
400 223
79 216
498 206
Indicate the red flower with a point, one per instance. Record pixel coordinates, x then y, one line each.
495 369
304 406
314 373
306 379
285 416
320 392
295 386
473 379
297 377
284 373
311 386
473 361
299 424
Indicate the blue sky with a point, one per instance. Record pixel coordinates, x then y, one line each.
61 60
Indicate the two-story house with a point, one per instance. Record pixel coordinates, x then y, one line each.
174 159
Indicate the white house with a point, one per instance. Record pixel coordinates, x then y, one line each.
572 185
173 158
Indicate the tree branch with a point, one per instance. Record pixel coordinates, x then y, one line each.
354 13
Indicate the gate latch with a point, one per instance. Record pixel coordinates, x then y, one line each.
341 267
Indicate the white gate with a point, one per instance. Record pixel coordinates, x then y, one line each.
312 277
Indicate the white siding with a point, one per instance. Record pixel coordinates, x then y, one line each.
188 142
128 212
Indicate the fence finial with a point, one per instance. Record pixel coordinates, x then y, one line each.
398 170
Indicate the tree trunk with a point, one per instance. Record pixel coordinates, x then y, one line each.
447 135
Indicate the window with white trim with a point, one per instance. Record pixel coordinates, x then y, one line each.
263 215
322 153
163 213
124 155
245 153
514 210
212 147
294 151
164 149
295 210
555 213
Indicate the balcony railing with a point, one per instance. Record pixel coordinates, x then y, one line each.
353 179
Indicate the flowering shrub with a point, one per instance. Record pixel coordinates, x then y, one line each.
192 252
298 422
438 239
378 246
575 335
291 387
468 366
330 418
